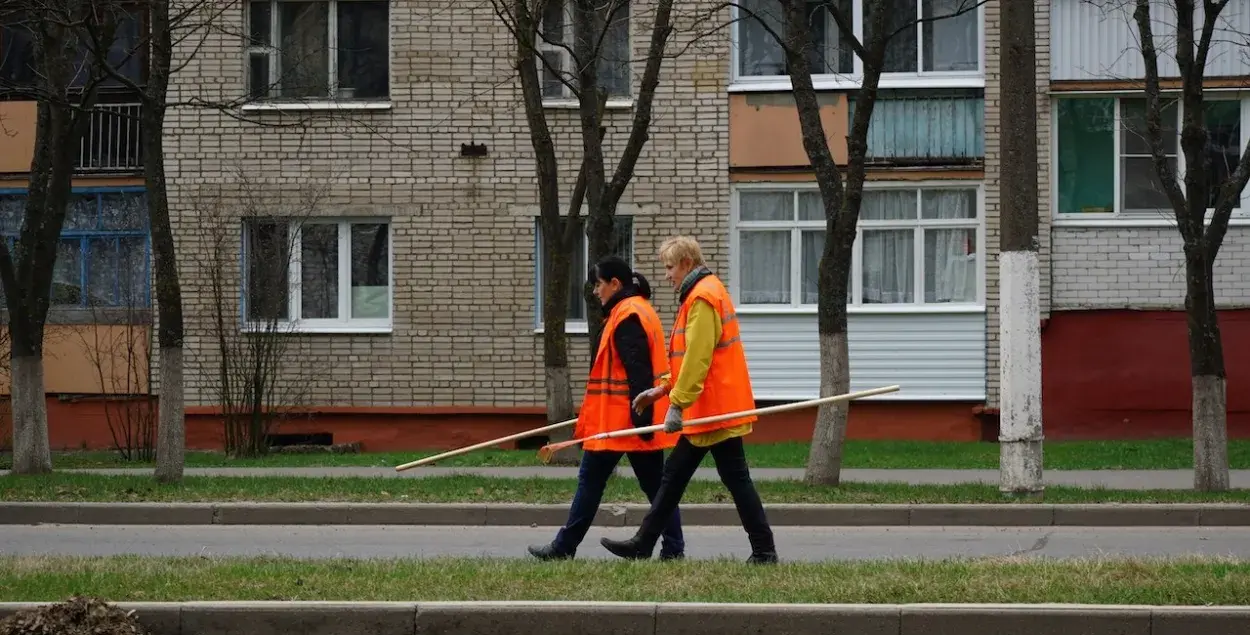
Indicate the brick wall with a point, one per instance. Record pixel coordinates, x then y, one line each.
993 158
463 228
1140 268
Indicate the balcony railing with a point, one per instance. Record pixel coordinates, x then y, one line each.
111 143
926 130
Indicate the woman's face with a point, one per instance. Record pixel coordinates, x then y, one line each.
675 272
605 289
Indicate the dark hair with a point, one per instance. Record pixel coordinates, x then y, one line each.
616 267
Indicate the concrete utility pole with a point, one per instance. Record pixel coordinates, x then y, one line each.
1020 338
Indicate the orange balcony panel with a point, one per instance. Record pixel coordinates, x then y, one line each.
17 135
764 130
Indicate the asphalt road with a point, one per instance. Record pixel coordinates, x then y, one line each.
794 543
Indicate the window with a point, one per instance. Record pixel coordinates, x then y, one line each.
127 53
1103 163
556 44
318 49
318 275
103 257
938 43
623 246
915 246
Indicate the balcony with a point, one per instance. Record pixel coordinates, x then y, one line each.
110 146
111 143
926 128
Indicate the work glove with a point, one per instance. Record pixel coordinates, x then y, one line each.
672 420
647 397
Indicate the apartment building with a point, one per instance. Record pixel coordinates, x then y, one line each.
398 163
1115 349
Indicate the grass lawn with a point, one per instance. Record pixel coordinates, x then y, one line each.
451 489
131 578
1060 455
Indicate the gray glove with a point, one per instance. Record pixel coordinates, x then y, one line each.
672 419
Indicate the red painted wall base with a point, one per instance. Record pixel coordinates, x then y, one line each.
1125 374
81 424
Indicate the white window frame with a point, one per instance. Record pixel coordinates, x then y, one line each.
572 326
328 102
344 323
1139 218
856 291
567 100
832 81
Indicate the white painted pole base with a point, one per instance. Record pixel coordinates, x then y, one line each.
1020 368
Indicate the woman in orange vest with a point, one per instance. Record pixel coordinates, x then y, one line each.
631 360
710 378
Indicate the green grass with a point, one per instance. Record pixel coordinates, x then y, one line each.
453 489
130 578
1059 455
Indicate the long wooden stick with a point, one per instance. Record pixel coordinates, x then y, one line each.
485 444
548 450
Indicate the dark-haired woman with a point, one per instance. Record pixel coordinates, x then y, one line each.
631 360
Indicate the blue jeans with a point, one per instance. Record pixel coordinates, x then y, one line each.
592 478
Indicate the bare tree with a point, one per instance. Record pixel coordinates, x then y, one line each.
1201 239
65 90
841 200
594 23
257 374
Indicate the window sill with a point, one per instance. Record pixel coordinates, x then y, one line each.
621 103
303 329
317 105
570 328
868 309
1242 220
850 82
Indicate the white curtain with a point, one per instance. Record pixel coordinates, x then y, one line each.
951 44
950 255
765 254
888 254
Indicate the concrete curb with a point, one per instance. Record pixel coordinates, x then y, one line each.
628 515
629 618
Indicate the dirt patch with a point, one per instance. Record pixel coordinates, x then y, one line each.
77 616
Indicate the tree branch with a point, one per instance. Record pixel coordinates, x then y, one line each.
1154 122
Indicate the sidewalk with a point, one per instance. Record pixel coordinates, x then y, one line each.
1111 479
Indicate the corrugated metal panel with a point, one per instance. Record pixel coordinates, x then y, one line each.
931 356
1098 39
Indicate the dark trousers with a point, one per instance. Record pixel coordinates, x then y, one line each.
592 478
731 465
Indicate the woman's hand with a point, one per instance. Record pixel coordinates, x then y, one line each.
647 397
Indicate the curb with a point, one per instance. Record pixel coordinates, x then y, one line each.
629 618
623 515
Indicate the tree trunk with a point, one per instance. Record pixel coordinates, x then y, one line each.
171 421
824 459
31 452
1207 375
559 387
1020 356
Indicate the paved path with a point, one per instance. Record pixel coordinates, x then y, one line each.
795 543
1115 479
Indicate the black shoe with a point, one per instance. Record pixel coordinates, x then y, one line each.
672 556
549 552
763 557
630 549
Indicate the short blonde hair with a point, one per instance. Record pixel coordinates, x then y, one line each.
679 248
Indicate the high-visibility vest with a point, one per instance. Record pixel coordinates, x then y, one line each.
607 406
727 387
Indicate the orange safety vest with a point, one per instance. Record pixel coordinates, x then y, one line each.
727 387
606 406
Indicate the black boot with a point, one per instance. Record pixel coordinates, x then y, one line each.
549 552
632 549
763 549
